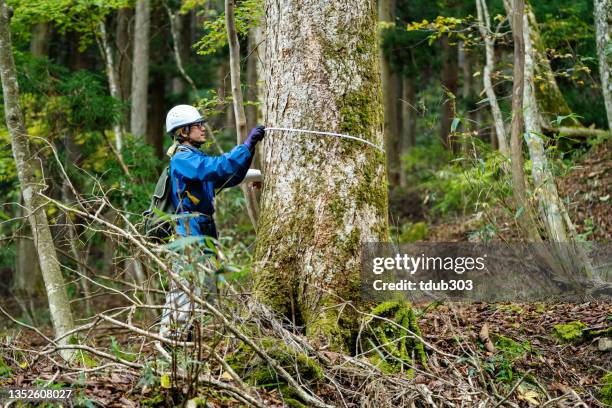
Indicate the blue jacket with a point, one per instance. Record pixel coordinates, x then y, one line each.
195 176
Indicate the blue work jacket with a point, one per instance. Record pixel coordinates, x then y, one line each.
195 176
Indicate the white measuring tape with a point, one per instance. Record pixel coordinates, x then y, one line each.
328 134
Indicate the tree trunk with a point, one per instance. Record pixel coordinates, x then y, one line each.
449 83
39 43
524 213
603 17
386 13
238 102
484 24
124 45
140 69
323 196
558 227
550 101
59 306
113 79
408 137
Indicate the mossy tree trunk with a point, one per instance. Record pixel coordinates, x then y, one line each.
323 196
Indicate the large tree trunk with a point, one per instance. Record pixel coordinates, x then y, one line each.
390 80
603 17
323 196
31 185
484 24
238 102
140 69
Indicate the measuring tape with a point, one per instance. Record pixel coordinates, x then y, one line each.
328 134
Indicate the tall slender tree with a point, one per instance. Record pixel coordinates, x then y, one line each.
484 24
140 68
603 19
390 87
32 187
238 101
323 196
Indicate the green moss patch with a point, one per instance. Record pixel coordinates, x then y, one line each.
389 343
570 332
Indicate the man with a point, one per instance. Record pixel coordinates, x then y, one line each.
194 178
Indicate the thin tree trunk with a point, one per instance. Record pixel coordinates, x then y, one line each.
124 46
177 24
523 206
323 196
238 102
140 69
449 83
559 229
550 101
113 80
408 139
31 187
386 14
603 17
39 43
484 25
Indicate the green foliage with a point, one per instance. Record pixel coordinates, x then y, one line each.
459 186
605 393
413 232
247 14
570 332
81 16
5 370
501 364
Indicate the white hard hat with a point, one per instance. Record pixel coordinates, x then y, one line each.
181 115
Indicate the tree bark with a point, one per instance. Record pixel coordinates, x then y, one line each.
386 13
140 69
603 17
31 187
113 79
558 227
523 206
238 102
484 24
323 196
550 101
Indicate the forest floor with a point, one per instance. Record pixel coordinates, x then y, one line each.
529 366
